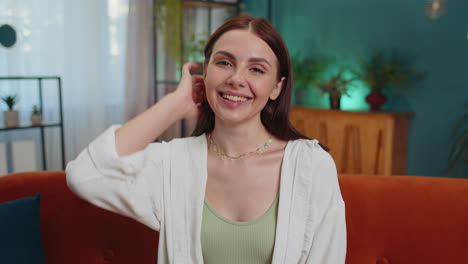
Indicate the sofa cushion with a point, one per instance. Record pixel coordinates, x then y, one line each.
20 236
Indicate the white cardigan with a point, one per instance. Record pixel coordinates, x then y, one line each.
163 187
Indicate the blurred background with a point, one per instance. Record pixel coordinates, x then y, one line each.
88 64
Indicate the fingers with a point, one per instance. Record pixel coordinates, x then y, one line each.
196 79
198 83
195 82
189 66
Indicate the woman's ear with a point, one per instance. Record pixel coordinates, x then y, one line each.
277 90
204 70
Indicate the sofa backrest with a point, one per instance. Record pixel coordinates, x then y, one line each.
406 219
390 219
76 232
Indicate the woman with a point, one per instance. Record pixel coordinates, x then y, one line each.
246 188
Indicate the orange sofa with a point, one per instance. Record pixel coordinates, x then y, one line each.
390 219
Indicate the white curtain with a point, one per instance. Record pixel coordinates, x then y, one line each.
85 42
139 92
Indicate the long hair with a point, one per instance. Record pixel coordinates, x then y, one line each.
275 114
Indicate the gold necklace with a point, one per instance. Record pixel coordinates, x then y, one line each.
260 150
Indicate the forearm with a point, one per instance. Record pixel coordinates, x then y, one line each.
140 131
117 186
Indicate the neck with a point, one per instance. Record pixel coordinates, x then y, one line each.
235 140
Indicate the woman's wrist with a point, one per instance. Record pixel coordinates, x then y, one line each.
181 104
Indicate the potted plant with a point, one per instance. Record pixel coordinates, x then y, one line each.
10 117
336 86
36 116
306 71
380 71
458 156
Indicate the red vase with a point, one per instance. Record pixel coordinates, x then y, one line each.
376 100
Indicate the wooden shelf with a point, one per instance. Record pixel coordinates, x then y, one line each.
24 126
29 126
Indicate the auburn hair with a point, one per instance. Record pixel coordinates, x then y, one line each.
275 114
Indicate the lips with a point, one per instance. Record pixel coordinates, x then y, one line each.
234 97
233 101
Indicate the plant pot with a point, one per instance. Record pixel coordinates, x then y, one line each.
11 118
376 99
36 120
335 101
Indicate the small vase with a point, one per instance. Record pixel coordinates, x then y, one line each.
376 99
335 101
11 118
36 120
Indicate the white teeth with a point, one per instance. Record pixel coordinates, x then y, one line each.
234 98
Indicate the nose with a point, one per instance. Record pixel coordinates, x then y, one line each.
237 78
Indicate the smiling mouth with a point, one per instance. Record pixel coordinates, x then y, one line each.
234 98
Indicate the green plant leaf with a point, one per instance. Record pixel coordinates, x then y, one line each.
458 155
307 70
168 19
10 101
379 71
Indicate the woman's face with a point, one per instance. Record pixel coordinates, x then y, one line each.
241 76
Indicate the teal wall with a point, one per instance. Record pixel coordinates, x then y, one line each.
346 29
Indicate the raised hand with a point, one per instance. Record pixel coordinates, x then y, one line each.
191 91
185 102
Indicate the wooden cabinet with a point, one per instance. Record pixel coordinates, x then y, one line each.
360 142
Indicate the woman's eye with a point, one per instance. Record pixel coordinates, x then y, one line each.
223 63
258 70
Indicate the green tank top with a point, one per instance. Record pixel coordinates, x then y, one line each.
231 242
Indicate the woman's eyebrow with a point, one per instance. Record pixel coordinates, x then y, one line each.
259 60
225 53
229 55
